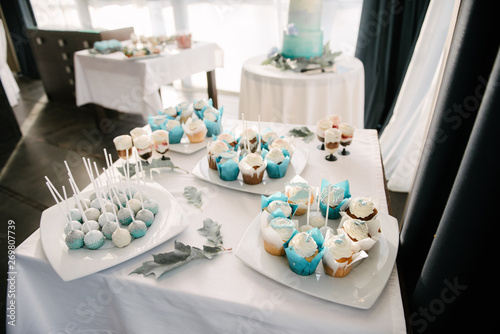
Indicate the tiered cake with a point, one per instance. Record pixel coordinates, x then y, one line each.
304 37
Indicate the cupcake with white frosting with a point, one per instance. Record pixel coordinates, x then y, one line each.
276 231
338 255
229 139
214 150
252 168
283 144
297 191
304 251
362 208
277 163
195 130
363 234
227 165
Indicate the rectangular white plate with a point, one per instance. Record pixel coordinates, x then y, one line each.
359 289
268 186
76 263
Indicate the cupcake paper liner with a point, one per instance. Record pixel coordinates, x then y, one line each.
330 261
229 170
265 201
298 264
367 243
276 171
175 134
335 213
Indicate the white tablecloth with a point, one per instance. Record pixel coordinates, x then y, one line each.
298 98
221 295
114 82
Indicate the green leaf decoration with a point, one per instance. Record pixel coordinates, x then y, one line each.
182 254
302 132
211 230
193 196
327 59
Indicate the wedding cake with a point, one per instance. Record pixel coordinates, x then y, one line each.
303 36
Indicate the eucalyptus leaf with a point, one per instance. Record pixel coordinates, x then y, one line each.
302 132
211 230
193 196
327 59
182 254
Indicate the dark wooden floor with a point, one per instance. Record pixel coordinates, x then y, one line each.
54 133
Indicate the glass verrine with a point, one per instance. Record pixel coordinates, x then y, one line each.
322 126
346 137
123 145
160 142
143 147
332 142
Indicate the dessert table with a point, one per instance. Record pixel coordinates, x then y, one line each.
299 98
221 295
132 85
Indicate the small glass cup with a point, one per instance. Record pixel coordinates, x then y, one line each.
322 126
335 119
332 142
123 145
143 147
160 142
346 138
137 132
183 40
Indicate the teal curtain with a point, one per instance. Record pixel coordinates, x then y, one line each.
387 35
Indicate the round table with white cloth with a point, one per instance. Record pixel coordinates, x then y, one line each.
289 97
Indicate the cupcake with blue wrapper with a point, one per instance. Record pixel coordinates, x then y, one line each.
276 231
213 120
227 165
230 140
175 131
337 196
200 105
157 122
283 143
267 137
277 163
277 205
171 112
304 251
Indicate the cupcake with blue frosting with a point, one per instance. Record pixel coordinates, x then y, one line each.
334 198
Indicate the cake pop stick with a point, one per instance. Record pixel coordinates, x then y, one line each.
139 187
57 201
260 135
327 204
77 200
98 191
54 188
308 205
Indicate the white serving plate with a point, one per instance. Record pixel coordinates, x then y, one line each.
359 289
186 147
268 186
73 264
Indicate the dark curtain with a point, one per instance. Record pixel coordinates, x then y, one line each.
446 255
19 16
387 35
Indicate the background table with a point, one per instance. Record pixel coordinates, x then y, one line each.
298 98
126 85
221 295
